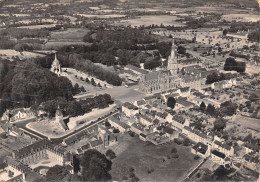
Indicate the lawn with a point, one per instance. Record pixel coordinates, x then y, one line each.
144 156
71 34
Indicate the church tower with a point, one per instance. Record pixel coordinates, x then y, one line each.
172 60
55 66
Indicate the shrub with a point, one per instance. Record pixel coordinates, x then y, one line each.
196 157
174 150
177 141
175 156
186 142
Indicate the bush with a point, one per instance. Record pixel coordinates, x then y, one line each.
111 154
149 171
175 156
174 150
116 130
177 141
196 157
186 142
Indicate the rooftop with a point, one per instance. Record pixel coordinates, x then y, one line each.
130 106
219 154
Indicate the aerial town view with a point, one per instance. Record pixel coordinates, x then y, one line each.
129 90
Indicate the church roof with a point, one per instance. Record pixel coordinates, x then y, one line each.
151 76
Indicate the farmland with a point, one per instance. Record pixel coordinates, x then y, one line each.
156 20
71 36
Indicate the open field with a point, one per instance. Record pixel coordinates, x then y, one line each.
247 122
156 20
143 156
9 53
242 17
102 16
38 26
71 34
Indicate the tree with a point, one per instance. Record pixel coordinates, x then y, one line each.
57 173
171 102
111 154
82 89
232 65
228 108
76 89
107 124
202 106
181 50
211 110
225 32
95 166
219 124
87 80
174 150
186 142
116 130
93 82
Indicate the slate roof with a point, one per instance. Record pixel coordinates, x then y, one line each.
130 106
96 143
251 159
184 103
179 119
141 102
252 147
223 145
200 147
168 130
115 120
219 154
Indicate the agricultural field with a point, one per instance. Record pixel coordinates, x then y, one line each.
144 156
156 20
38 26
102 16
11 54
71 34
242 17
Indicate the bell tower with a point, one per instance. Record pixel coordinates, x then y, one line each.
172 60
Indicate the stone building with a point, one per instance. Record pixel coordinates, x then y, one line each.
171 77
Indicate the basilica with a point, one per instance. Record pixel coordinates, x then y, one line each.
171 77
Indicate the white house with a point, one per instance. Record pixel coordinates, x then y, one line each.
129 109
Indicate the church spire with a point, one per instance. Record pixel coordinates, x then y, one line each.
172 60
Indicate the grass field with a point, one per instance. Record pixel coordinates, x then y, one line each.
144 156
71 34
156 20
247 122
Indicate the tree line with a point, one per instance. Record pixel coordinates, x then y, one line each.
76 61
25 83
75 108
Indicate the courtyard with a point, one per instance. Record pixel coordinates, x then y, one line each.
145 157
